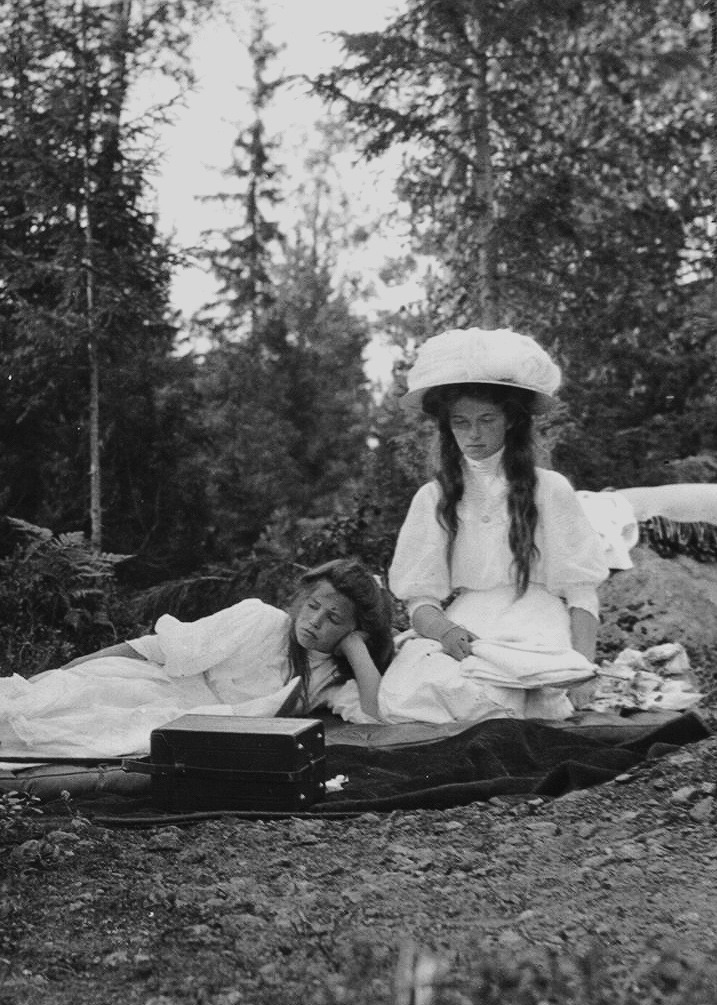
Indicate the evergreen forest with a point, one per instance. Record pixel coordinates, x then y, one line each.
556 176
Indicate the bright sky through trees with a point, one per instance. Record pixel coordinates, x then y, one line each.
197 147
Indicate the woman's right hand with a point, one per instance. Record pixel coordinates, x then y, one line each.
456 641
429 621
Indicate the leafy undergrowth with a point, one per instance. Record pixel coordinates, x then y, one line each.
604 897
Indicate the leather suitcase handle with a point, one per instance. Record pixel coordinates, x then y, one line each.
228 774
133 764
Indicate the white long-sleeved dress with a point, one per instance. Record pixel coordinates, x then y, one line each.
524 650
232 662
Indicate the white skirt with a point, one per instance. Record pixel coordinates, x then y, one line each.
108 707
521 662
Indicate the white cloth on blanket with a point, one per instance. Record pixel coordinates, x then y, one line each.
520 665
685 502
657 679
235 661
613 517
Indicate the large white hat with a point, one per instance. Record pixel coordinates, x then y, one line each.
480 356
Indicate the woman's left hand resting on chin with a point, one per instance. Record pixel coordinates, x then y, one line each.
353 648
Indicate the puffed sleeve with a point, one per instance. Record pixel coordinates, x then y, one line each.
186 648
572 553
419 569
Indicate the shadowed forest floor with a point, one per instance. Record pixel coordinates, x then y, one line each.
605 895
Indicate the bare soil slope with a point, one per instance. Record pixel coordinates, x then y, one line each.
616 883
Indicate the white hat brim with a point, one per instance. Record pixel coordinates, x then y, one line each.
412 401
482 356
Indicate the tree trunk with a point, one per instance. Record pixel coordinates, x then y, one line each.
109 153
86 222
485 296
107 161
712 6
95 469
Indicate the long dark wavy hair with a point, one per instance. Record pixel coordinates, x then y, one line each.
373 611
518 407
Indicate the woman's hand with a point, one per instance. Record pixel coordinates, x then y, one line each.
352 643
456 641
431 623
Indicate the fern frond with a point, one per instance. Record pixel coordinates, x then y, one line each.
111 558
72 539
87 593
29 530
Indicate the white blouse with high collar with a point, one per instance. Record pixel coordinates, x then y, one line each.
570 562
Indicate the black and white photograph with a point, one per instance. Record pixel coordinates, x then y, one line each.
358 502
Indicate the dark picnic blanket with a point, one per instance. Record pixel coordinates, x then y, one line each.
501 757
495 758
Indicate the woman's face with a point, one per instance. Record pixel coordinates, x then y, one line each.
478 426
324 618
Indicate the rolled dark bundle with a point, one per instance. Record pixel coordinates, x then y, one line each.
670 537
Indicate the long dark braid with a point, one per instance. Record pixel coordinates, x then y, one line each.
519 466
518 463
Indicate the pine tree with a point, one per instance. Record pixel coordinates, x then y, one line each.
595 129
283 386
82 263
243 261
422 83
288 406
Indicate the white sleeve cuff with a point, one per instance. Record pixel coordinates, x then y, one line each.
413 603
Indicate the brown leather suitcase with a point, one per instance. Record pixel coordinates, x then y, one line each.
227 762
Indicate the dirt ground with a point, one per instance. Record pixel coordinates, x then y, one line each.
606 895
